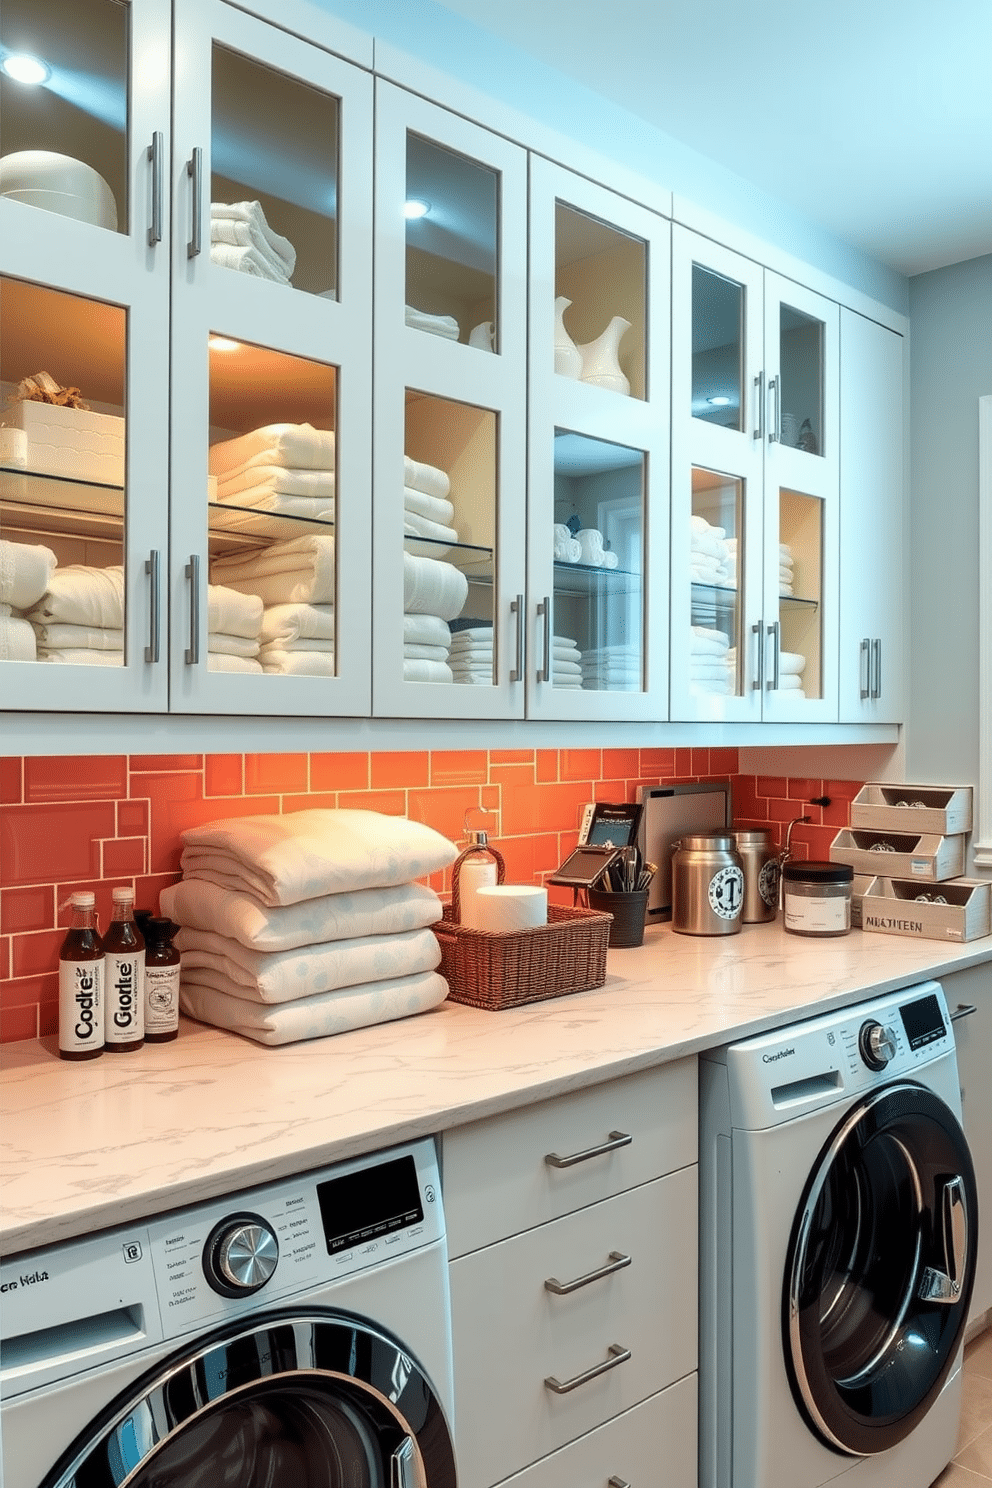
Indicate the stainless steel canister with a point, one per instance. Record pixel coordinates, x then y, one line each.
707 885
761 873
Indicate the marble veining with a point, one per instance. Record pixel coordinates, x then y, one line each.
85 1146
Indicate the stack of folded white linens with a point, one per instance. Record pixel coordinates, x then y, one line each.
791 665
709 662
435 325
786 570
427 512
240 238
308 924
612 669
233 623
25 572
80 617
472 656
298 575
710 553
566 662
287 469
434 592
298 639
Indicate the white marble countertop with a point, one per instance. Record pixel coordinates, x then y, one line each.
84 1146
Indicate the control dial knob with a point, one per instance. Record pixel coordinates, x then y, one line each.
240 1255
877 1044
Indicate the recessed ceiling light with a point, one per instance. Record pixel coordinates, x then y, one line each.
413 208
719 402
223 343
26 69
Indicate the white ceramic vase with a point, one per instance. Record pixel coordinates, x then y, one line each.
600 358
568 358
483 336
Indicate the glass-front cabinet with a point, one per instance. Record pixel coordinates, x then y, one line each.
83 355
450 506
598 489
755 498
271 467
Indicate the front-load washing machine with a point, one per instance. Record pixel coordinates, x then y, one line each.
296 1335
838 1225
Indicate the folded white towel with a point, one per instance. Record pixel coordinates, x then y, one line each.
199 905
286 624
25 573
477 661
250 215
417 651
241 508
314 1017
431 587
232 613
297 572
482 633
573 682
465 644
218 661
434 508
708 546
566 653
426 630
704 641
303 854
81 595
71 656
79 637
790 682
785 590
298 663
481 674
565 668
292 446
426 671
784 553
284 976
704 668
302 643
791 663
248 261
700 525
435 325
423 527
221 644
17 640
259 481
563 641
608 653
426 478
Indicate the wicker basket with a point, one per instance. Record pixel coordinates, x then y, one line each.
503 970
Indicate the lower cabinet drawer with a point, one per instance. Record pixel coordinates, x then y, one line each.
530 1344
651 1446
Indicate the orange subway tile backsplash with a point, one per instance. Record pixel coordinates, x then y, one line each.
96 822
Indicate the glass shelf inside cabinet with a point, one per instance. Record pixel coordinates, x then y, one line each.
275 172
601 300
452 236
233 527
65 136
52 504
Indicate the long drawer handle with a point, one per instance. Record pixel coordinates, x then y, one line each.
963 1010
616 1139
617 1355
563 1288
616 1482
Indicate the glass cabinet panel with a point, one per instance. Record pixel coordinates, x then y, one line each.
798 673
450 515
717 349
716 561
272 498
597 624
274 181
801 373
63 373
65 133
452 232
600 304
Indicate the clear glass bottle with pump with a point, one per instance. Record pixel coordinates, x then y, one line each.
124 977
479 866
162 962
81 1033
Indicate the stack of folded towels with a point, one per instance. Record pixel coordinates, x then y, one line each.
427 512
240 238
434 592
472 655
299 926
612 669
25 573
233 623
80 617
791 665
295 582
710 553
435 325
710 667
786 570
566 662
567 548
282 468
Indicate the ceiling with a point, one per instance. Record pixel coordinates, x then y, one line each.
872 117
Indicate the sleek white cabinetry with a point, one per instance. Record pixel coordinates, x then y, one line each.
572 1232
972 989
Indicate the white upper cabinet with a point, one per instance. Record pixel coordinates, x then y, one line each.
84 325
755 471
271 371
599 428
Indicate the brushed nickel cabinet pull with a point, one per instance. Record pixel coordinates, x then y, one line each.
618 1261
614 1140
517 608
153 570
155 155
193 574
194 169
617 1355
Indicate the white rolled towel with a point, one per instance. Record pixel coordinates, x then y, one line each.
434 508
435 325
426 478
426 671
790 682
249 260
418 526
295 446
314 1017
297 572
565 668
297 663
232 613
244 222
237 915
221 644
55 637
218 661
431 587
791 663
25 573
81 595
284 625
426 630
417 651
704 641
70 656
17 640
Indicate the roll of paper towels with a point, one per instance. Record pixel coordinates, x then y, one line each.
506 907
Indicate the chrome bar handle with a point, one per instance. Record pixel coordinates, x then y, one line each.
194 169
617 1356
876 668
963 1010
775 427
156 155
153 568
618 1262
759 673
517 608
544 608
614 1140
617 1482
775 631
402 1466
193 574
759 403
944 1286
864 669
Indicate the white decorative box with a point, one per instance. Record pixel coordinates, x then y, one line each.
71 442
902 854
882 807
895 907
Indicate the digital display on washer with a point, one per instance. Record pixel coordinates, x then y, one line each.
923 1021
368 1203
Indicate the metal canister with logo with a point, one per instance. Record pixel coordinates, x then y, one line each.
707 885
759 859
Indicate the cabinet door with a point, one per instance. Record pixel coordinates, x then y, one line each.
599 421
450 414
84 300
271 398
972 987
872 522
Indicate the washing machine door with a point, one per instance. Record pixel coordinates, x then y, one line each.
880 1268
295 1400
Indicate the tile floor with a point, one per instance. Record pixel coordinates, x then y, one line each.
972 1465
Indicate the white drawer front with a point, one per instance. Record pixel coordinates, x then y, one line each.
511 1332
651 1446
497 1181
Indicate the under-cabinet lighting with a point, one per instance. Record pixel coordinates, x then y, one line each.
413 208
719 402
24 68
223 343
